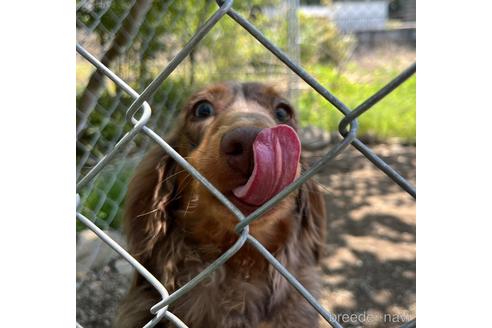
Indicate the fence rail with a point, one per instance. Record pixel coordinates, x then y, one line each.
140 107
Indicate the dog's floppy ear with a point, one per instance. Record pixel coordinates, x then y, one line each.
311 207
149 198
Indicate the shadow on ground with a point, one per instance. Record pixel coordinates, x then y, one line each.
369 269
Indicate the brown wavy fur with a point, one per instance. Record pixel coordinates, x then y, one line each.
175 227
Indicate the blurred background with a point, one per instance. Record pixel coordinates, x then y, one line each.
353 48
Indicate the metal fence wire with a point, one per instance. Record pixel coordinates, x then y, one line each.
139 116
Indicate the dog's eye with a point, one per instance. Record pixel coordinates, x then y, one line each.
283 114
204 110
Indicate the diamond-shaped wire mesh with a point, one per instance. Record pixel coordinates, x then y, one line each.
128 38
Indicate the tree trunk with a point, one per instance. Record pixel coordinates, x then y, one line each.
123 38
202 19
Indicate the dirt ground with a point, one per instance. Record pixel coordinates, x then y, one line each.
369 269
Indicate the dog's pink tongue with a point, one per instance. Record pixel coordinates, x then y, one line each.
276 156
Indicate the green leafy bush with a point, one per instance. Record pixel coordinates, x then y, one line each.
322 42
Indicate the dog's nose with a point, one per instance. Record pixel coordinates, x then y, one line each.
237 147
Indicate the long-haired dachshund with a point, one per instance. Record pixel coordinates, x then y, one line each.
242 138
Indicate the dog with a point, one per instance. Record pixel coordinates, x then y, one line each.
242 138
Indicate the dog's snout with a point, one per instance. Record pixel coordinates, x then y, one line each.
237 147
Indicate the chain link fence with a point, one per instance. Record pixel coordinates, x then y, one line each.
123 45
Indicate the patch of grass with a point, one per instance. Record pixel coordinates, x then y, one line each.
393 116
